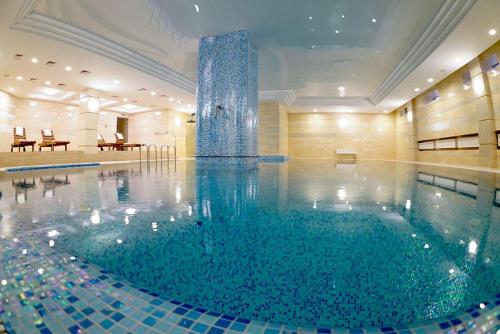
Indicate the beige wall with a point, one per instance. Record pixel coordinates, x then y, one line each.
457 112
318 135
273 129
151 128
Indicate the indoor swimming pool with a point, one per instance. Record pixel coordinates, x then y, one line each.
305 245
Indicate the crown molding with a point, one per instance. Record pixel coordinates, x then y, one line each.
284 96
447 18
42 25
358 101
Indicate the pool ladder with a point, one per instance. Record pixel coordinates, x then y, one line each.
163 146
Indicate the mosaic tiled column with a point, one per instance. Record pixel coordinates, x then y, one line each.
226 121
88 120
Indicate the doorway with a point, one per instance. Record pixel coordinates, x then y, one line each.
122 127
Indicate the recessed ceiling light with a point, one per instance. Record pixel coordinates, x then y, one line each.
451 94
153 93
386 111
341 88
125 99
374 20
197 8
157 113
34 60
11 89
47 82
19 78
492 32
315 110
116 82
32 104
171 99
417 89
50 91
337 31
70 108
179 101
342 16
67 68
430 80
310 17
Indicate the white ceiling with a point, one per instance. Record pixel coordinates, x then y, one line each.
379 50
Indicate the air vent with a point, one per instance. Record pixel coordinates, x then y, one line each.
163 95
85 72
50 63
135 101
61 84
142 89
432 96
33 79
115 96
6 75
18 56
491 63
467 80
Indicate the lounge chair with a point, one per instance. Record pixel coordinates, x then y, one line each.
101 143
20 140
48 140
121 144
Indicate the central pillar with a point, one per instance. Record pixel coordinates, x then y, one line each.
226 121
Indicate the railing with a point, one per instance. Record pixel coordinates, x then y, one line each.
148 156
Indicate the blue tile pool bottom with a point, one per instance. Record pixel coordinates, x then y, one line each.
44 291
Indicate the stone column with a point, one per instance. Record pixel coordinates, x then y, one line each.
485 115
88 121
226 121
412 134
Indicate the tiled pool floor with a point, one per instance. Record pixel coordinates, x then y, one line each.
47 291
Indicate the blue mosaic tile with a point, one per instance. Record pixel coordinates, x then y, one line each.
226 121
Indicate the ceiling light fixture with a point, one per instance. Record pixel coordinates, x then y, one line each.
315 110
47 83
492 32
341 88
125 99
430 80
153 93
68 68
342 16
386 111
451 94
374 20
11 89
19 78
171 99
337 31
70 108
197 8
32 104
116 82
50 91
417 89
310 17
34 60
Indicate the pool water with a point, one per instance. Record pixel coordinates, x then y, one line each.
308 243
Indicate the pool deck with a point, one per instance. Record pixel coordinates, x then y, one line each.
44 290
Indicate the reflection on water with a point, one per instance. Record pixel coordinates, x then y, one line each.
305 242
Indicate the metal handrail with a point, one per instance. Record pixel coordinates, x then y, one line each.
148 154
161 151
